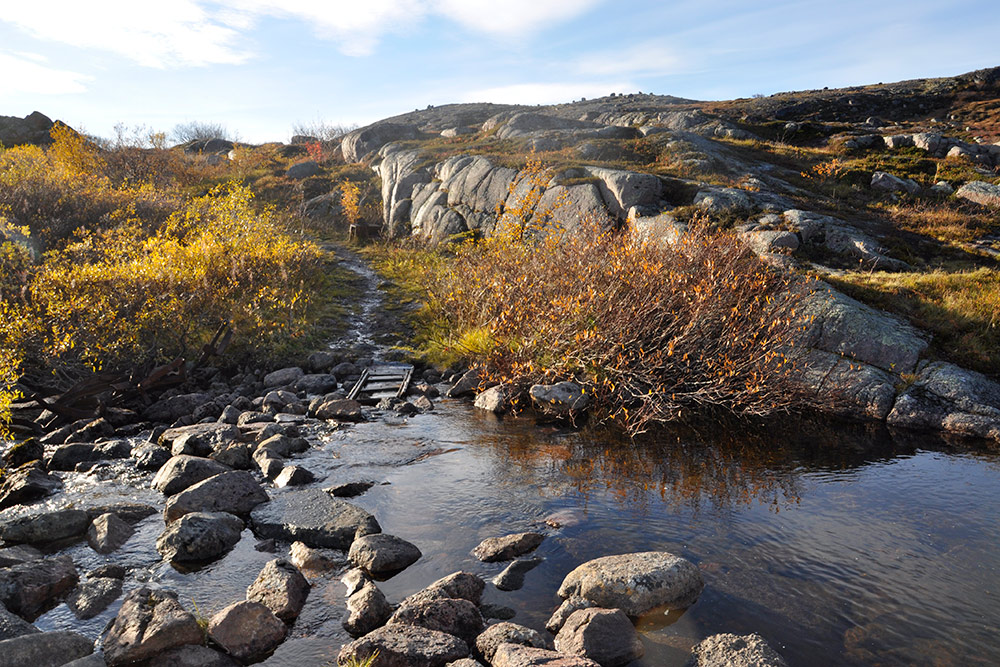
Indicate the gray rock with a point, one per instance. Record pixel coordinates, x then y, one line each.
109 571
845 386
302 170
130 512
467 385
66 457
316 383
93 596
898 141
12 625
192 656
17 554
980 192
367 610
401 645
727 650
490 640
507 547
316 560
765 242
512 578
888 183
621 190
283 377
458 585
465 662
281 588
946 397
495 399
45 526
198 439
340 409
149 622
108 532
361 144
313 517
44 649
27 484
513 655
382 554
606 636
283 445
457 617
181 472
269 464
248 631
563 399
199 536
942 188
92 660
636 582
20 453
171 409
236 455
293 476
718 199
35 128
230 415
150 456
559 616
235 492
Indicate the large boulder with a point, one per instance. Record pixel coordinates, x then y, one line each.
490 639
728 650
507 547
44 649
35 128
199 536
980 192
45 526
361 144
235 492
283 377
606 636
198 439
635 582
563 399
28 588
946 397
248 631
149 622
313 517
183 471
281 588
455 617
382 554
621 190
404 646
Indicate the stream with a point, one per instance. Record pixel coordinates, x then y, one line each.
840 544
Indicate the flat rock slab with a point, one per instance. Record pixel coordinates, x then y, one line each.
404 646
313 517
45 526
508 547
44 649
636 582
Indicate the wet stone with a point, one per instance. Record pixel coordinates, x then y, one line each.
107 533
490 640
564 611
367 610
17 554
180 472
27 484
349 489
199 536
192 656
93 596
316 561
149 622
44 649
508 547
281 588
12 625
111 571
512 578
248 631
293 476
728 649
21 453
513 655
405 645
455 617
45 526
314 518
458 585
606 636
382 554
235 492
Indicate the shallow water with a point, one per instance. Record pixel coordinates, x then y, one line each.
839 544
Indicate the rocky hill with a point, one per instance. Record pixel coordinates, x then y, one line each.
898 181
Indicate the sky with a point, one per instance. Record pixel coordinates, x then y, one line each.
259 67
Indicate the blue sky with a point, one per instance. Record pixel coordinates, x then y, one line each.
259 66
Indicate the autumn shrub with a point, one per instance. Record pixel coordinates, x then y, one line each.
650 331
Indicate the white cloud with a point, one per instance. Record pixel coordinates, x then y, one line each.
153 34
22 73
648 59
543 93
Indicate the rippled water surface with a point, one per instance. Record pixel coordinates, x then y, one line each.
839 544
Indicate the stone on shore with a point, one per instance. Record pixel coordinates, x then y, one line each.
606 636
382 554
181 472
508 547
12 625
559 616
248 631
149 622
728 650
563 399
405 646
636 582
455 617
314 518
496 399
458 585
367 610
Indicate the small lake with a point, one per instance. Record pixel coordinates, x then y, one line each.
841 544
